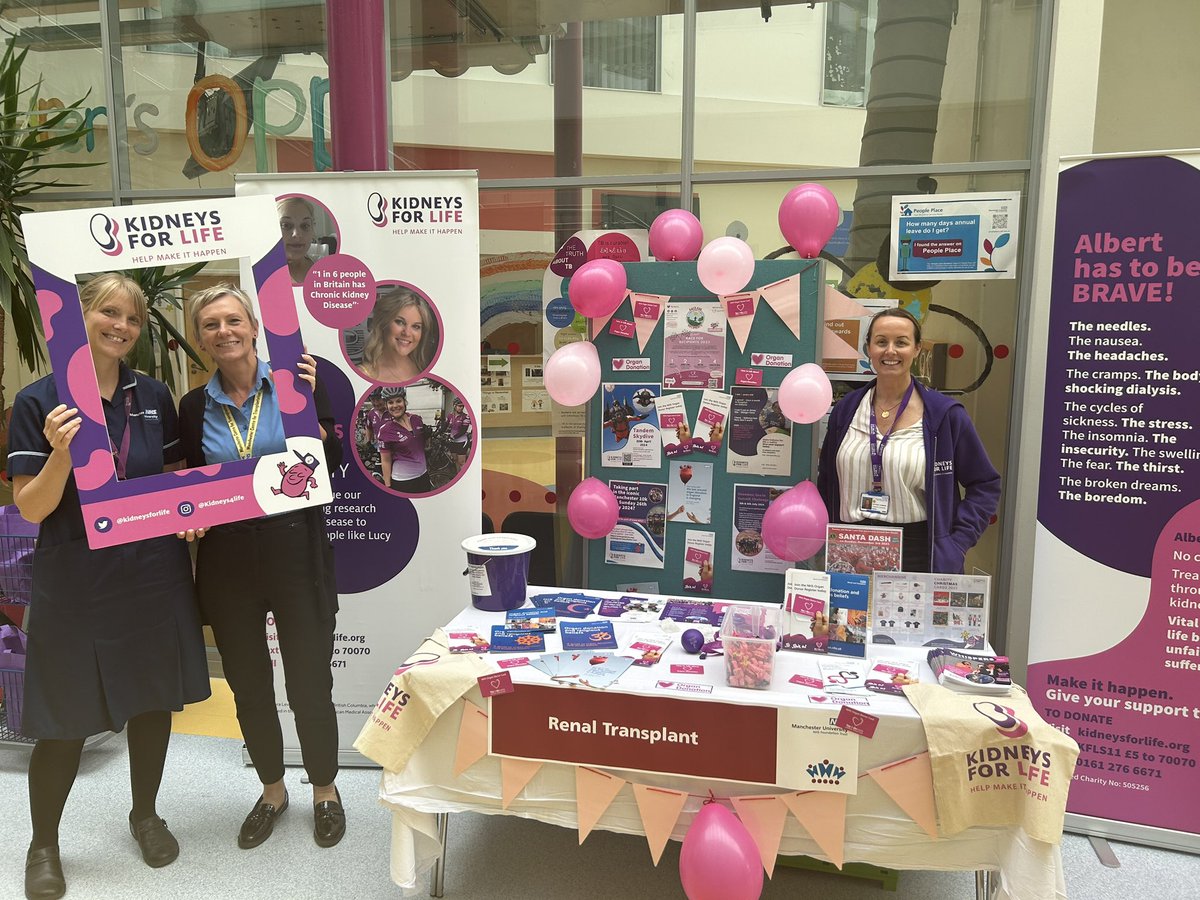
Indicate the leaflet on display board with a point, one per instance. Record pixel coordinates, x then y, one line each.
386 247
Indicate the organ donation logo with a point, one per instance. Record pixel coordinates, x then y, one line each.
104 232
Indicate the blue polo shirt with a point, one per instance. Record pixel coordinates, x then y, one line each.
216 438
153 440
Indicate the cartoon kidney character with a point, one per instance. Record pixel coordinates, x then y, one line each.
297 479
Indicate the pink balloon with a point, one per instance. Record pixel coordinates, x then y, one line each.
572 374
793 527
676 235
805 394
808 217
597 288
725 265
592 509
719 860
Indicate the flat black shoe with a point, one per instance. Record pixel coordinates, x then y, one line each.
158 845
329 821
260 823
43 874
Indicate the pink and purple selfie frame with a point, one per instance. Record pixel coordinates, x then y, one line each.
64 244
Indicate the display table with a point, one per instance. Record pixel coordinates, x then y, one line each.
877 831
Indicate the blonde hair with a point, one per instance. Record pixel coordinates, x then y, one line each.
386 309
210 295
99 290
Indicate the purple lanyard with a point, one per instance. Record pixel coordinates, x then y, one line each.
878 444
121 456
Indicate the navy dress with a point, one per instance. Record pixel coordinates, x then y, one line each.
113 632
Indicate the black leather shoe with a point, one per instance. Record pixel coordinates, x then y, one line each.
43 874
260 823
158 845
329 821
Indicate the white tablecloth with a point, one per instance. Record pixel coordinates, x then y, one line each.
877 831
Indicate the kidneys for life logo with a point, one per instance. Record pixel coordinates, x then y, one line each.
104 232
1005 719
377 209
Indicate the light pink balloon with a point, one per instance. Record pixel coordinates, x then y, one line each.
675 235
572 373
597 288
719 860
808 217
793 527
592 509
725 265
805 394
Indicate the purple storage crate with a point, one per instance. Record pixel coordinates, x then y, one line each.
13 683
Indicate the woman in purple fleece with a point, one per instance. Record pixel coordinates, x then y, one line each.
897 454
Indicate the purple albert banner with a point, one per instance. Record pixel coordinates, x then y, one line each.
68 247
1115 626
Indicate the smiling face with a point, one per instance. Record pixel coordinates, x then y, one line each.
297 227
396 407
892 346
404 331
226 330
113 326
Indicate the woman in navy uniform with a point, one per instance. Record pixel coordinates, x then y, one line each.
114 636
281 563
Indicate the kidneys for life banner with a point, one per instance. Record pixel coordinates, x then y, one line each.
1114 642
384 269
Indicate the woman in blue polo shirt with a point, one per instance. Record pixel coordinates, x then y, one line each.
114 636
282 564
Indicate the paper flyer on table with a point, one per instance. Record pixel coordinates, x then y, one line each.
629 426
750 553
689 492
698 549
632 608
673 425
640 534
806 611
863 548
921 609
711 422
694 345
812 752
760 435
849 613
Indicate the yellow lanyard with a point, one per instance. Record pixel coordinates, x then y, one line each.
244 447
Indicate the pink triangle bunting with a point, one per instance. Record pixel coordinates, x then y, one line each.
764 818
594 793
514 775
659 809
784 298
647 310
472 738
739 313
910 783
823 815
601 322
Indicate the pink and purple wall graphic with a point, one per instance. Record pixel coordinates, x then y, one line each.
1115 629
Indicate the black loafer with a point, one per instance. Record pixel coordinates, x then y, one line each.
158 845
260 823
329 821
43 874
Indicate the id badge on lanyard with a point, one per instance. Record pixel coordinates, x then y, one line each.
873 505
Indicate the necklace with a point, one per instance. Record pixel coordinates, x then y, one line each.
886 413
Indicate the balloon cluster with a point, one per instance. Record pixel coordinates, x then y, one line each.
808 216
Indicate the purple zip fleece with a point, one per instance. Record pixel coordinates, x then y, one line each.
954 456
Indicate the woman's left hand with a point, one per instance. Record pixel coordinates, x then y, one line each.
308 369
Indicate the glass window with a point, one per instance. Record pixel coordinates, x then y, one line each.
849 42
621 53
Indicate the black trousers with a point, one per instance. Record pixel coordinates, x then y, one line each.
277 565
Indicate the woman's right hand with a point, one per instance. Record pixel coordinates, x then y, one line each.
61 425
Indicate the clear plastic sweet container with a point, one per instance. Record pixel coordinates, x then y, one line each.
749 639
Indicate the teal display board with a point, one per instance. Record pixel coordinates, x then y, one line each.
768 335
